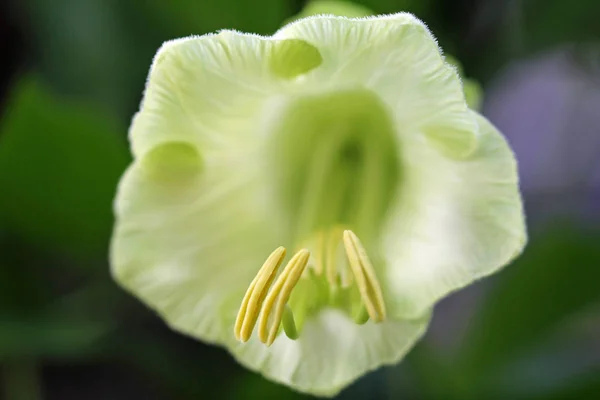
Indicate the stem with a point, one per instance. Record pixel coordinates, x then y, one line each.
21 380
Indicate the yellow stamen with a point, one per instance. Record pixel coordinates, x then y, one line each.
266 301
331 258
321 243
256 294
289 323
346 274
280 294
361 316
368 285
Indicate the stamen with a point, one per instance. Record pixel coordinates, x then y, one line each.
368 285
331 257
256 294
361 316
289 323
330 282
280 293
347 277
320 253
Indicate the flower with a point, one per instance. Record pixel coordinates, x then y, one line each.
347 142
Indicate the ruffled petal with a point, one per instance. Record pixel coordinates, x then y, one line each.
454 221
197 216
191 258
398 59
331 352
189 246
193 218
208 91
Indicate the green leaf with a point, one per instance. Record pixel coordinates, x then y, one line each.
417 7
262 388
49 337
60 161
554 364
586 386
74 325
555 278
333 7
193 17
91 49
548 22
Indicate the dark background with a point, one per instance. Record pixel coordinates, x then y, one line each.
72 74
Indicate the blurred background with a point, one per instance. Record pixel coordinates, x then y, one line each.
72 74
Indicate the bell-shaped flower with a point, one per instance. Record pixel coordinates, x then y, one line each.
347 143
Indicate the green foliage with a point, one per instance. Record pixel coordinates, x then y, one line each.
59 164
192 17
334 7
49 336
556 277
548 22
63 147
90 49
519 343
417 7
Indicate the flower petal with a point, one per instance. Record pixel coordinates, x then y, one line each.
194 222
207 91
455 221
331 352
185 254
192 260
196 216
188 260
396 57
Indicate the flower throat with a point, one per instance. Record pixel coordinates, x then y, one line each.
335 169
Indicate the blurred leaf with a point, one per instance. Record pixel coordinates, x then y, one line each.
585 387
86 48
560 363
420 8
59 166
21 379
472 89
193 17
550 22
73 326
254 383
556 278
52 336
436 377
473 93
334 7
22 289
510 30
188 372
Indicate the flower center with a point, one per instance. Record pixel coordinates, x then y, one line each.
350 285
335 169
334 162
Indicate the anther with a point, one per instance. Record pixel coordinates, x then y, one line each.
278 297
331 258
321 244
256 294
368 285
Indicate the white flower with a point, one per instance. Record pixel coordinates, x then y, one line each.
347 142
